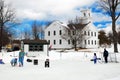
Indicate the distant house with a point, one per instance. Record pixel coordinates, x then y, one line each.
35 47
55 30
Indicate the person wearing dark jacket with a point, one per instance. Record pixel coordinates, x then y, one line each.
105 55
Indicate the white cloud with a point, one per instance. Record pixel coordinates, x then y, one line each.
108 27
43 9
30 14
98 17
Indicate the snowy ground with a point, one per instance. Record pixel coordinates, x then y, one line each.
68 65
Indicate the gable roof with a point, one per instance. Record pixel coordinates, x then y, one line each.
56 23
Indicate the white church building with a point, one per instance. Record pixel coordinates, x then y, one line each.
54 31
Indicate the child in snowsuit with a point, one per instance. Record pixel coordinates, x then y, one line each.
1 61
95 58
13 62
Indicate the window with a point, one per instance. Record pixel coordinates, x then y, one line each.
88 33
73 42
54 33
68 41
91 33
95 42
48 41
35 47
54 42
95 33
88 41
92 42
60 32
85 42
48 33
60 41
84 32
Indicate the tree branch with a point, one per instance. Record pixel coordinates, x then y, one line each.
117 16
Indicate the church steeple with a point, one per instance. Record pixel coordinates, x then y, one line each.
86 16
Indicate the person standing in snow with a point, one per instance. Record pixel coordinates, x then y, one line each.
105 55
95 58
21 58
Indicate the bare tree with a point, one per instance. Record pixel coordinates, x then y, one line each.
5 37
7 15
27 34
112 8
41 29
37 30
74 33
119 35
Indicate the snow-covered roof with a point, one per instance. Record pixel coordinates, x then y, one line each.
57 23
35 41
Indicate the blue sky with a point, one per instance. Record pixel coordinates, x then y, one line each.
45 11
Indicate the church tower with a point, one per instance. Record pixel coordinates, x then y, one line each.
86 16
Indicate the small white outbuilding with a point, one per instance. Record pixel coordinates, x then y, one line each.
35 48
